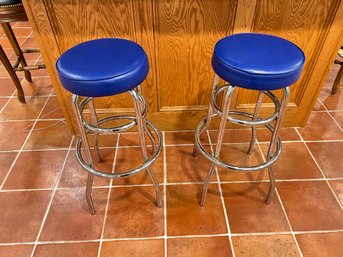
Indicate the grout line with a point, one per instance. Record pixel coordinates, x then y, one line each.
31 120
282 206
172 237
323 174
108 198
165 195
168 184
222 198
51 199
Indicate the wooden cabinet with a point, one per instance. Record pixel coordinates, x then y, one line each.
179 36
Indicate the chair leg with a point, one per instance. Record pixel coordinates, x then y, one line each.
337 81
78 118
223 120
13 75
11 37
273 143
209 113
140 124
257 110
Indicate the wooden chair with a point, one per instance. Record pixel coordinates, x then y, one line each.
13 11
339 76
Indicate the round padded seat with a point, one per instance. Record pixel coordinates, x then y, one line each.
103 67
257 61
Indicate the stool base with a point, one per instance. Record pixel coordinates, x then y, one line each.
274 149
138 120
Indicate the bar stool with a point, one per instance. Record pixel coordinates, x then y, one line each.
106 67
13 11
257 62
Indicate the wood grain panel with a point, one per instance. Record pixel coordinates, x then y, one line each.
305 23
93 19
179 37
186 32
244 18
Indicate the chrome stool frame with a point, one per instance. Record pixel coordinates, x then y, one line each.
138 120
274 149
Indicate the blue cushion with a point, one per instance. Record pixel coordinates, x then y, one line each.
103 67
257 61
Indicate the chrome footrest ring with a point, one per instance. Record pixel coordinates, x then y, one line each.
129 173
114 129
259 122
217 162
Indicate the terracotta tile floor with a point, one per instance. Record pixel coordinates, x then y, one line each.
44 213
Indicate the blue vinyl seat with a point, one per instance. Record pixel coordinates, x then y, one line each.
103 67
257 61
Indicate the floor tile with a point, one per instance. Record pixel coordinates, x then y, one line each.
5 43
177 138
130 139
69 208
133 212
49 135
104 140
22 32
15 110
337 186
338 117
265 246
236 154
286 134
67 250
183 167
318 106
6 160
22 24
39 87
185 216
295 162
320 126
232 136
199 246
52 110
247 211
3 101
136 248
29 43
75 176
331 102
306 210
132 158
328 156
321 244
13 134
35 170
7 87
16 250
22 215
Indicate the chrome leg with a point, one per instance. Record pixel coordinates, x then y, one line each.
209 112
78 118
223 120
273 140
257 110
96 135
140 124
